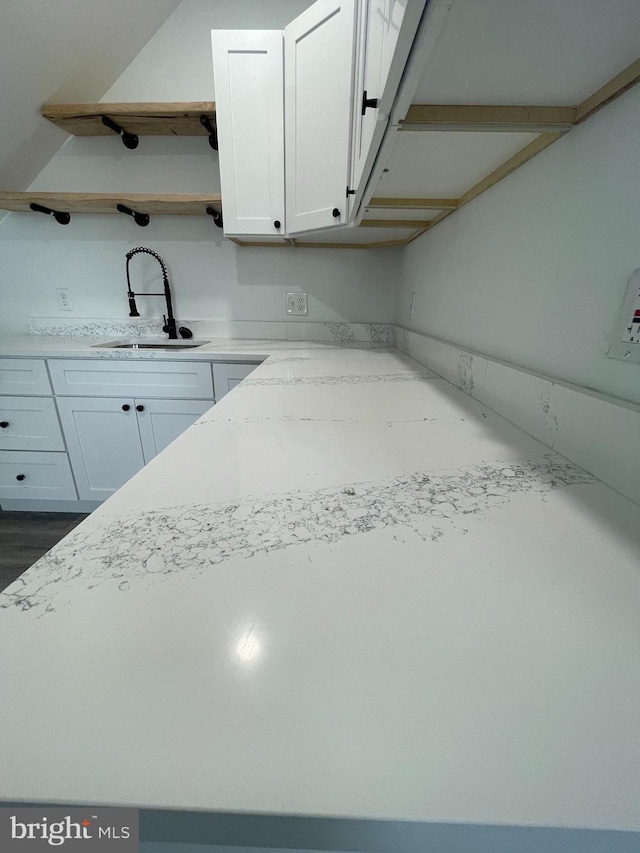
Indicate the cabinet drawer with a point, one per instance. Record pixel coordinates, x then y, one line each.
24 376
93 378
227 376
44 476
29 423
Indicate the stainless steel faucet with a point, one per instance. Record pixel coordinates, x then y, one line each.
169 320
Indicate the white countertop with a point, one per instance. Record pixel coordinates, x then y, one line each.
349 590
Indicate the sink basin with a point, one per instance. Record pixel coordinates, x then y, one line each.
152 343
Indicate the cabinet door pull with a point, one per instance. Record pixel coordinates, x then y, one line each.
335 213
20 477
277 223
139 408
368 103
4 424
126 407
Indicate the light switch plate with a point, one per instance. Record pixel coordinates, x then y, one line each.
297 303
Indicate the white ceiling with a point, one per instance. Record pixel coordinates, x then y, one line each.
553 52
445 165
61 50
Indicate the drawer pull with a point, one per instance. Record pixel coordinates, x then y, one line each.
4 424
20 477
139 408
126 407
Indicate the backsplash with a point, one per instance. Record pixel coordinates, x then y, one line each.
378 333
570 420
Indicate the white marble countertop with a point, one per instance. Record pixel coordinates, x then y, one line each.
349 590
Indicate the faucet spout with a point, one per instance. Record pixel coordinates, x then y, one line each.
169 320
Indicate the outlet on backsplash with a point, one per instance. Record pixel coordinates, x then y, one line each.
297 303
64 299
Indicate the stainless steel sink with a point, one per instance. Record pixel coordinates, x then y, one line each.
152 343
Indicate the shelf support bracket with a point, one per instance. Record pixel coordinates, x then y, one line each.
129 140
141 219
211 129
60 218
217 215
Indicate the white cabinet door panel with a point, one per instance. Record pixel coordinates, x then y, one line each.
103 441
24 376
318 70
227 376
36 475
162 421
173 379
29 423
371 36
248 76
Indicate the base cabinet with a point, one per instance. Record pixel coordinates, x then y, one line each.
110 440
58 450
161 421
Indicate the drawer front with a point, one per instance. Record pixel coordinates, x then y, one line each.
110 378
227 376
24 376
37 475
29 423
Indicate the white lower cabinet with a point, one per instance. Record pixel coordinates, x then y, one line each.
110 439
103 442
227 376
35 475
162 421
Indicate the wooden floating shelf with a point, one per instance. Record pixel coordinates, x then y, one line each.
142 119
154 204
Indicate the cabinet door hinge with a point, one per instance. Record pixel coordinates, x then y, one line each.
350 192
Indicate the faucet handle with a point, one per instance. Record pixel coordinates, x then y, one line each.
165 327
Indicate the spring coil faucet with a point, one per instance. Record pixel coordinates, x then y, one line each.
169 320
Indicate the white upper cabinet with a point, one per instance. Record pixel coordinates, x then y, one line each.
319 57
336 69
247 66
387 29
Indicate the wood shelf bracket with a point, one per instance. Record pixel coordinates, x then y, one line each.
129 140
141 219
60 217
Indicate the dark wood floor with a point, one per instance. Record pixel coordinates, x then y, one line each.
26 536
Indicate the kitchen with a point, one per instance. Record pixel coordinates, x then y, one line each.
474 356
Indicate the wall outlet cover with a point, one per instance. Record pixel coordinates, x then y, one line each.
64 299
625 342
297 303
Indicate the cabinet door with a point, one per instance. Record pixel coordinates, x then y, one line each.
387 29
369 121
319 53
227 376
162 421
103 442
247 68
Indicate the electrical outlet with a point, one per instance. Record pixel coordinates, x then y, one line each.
297 303
412 306
64 300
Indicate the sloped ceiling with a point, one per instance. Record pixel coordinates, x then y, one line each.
61 50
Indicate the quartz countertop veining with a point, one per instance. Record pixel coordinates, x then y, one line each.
349 591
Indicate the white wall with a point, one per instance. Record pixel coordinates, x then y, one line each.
212 278
175 65
533 272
